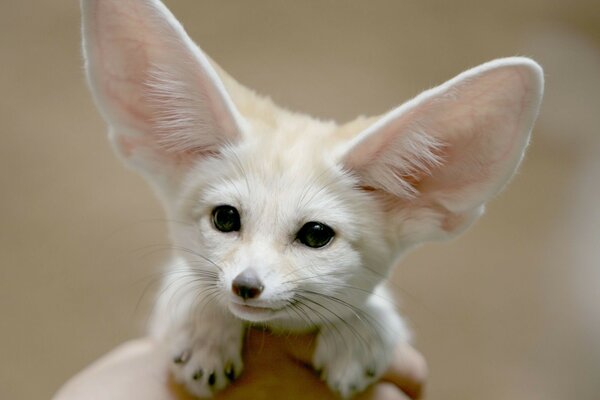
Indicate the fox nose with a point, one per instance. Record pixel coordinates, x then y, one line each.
247 285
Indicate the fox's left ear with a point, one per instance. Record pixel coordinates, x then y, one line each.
438 158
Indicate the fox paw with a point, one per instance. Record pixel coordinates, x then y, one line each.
204 361
348 373
353 355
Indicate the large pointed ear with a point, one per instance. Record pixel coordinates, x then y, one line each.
164 102
438 158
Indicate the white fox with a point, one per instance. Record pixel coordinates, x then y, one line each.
281 219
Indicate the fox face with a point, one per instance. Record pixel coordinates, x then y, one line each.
279 218
285 222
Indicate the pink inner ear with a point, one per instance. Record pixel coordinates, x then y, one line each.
150 80
455 145
482 130
120 57
484 135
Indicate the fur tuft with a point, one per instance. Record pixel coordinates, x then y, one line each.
183 122
404 163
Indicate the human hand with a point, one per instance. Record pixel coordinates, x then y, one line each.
273 365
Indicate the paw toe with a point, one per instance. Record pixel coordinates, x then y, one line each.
182 357
198 374
212 379
230 372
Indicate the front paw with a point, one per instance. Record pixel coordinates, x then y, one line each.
205 359
354 354
349 367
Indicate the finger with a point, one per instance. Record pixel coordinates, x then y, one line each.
408 371
299 346
383 391
116 375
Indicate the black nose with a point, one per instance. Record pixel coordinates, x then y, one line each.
247 285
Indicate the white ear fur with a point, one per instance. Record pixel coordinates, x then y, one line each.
163 100
452 148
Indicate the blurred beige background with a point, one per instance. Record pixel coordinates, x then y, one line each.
509 311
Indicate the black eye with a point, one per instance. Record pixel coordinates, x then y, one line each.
315 234
226 219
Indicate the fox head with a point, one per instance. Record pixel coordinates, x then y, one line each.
274 204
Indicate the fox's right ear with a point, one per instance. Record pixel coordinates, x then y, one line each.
164 102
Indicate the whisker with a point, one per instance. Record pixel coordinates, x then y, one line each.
326 320
367 320
323 321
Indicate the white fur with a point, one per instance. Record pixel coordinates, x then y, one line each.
420 172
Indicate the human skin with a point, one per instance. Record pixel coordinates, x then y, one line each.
274 366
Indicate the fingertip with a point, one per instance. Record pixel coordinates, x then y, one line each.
384 391
419 371
408 371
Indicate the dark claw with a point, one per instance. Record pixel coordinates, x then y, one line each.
353 388
198 375
230 372
212 379
321 373
182 358
370 372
